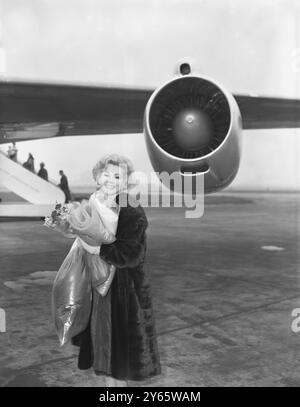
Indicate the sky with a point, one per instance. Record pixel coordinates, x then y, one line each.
248 46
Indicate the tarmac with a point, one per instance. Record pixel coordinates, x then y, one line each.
224 288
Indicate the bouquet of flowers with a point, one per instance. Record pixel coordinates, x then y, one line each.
58 220
79 220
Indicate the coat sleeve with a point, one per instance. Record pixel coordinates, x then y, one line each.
128 250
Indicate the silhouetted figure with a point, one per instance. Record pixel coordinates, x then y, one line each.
9 151
12 152
29 164
43 173
64 186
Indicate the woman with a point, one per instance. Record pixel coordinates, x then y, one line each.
120 340
29 164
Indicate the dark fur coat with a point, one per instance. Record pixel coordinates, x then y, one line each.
120 340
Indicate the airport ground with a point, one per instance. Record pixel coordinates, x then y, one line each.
224 287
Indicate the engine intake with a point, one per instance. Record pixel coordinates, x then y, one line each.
189 118
193 125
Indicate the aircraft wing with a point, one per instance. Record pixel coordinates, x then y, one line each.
268 112
36 110
30 110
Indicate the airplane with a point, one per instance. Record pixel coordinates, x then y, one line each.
192 125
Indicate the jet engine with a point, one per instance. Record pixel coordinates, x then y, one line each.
193 127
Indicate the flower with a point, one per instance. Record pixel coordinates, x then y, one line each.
58 219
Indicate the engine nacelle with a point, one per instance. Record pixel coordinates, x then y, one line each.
193 126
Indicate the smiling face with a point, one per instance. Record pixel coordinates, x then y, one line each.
112 179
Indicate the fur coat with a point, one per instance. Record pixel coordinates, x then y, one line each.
120 340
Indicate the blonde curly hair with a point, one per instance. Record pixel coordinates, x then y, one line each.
115 159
